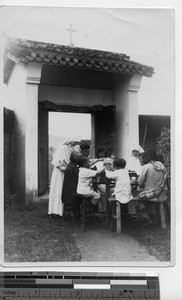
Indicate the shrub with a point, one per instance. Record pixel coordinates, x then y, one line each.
164 147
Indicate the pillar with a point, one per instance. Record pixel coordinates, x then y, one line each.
31 132
133 125
126 99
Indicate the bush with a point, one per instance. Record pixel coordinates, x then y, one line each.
164 147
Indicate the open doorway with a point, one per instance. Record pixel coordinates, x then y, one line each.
63 125
93 123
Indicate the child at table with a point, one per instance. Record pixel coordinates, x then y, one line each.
85 180
122 189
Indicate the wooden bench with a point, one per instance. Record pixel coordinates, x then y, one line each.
115 206
116 213
161 209
111 215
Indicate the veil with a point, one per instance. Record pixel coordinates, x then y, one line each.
64 150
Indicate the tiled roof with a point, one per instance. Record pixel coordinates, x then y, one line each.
59 55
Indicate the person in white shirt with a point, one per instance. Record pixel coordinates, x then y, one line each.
122 189
85 180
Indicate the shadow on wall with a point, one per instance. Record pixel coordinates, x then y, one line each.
14 156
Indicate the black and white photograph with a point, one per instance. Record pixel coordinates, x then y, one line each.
88 135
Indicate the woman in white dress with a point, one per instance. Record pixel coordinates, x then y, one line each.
60 160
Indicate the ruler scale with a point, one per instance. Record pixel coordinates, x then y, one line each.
75 285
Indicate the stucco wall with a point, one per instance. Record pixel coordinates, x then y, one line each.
22 94
15 91
121 100
127 129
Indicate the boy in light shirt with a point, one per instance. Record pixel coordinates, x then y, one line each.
85 180
122 189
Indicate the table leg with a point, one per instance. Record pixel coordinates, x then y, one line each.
118 220
107 203
83 214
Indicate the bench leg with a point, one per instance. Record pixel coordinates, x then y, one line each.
118 220
162 215
83 214
64 212
93 213
113 212
66 209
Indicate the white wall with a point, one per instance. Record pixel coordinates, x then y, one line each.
15 92
127 129
122 138
22 99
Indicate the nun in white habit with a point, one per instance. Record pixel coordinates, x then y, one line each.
60 160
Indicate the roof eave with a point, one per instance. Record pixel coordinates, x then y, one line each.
60 55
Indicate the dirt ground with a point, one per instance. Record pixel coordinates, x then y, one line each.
97 243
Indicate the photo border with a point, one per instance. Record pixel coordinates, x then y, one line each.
90 265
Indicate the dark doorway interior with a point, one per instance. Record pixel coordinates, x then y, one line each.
105 129
150 129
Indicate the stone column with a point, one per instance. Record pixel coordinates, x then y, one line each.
31 132
93 152
133 125
126 99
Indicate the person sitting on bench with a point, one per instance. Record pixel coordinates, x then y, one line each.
122 189
85 180
151 184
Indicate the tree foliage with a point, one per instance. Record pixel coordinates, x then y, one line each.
164 146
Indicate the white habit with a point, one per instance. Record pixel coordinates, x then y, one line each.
60 159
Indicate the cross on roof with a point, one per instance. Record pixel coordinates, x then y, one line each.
70 29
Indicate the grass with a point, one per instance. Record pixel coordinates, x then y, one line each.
30 236
156 239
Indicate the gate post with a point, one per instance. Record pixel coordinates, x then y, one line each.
133 122
31 132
